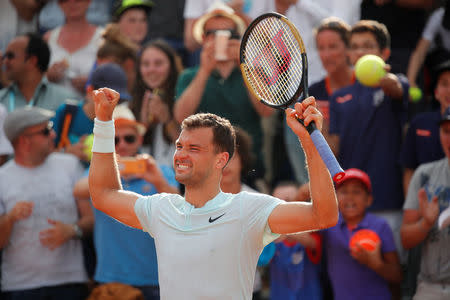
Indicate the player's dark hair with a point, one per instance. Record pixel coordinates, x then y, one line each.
224 136
378 29
337 25
39 48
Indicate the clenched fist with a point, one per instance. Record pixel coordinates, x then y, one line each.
105 100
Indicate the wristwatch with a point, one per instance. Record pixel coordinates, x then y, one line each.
78 231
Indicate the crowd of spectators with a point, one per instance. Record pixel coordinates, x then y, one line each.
162 57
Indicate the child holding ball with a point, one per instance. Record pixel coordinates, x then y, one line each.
366 124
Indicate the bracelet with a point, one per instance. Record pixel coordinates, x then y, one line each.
78 231
104 133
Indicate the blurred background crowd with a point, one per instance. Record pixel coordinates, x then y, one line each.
173 58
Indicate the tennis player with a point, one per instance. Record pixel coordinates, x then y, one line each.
208 242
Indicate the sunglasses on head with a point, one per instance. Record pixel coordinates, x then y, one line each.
234 34
45 131
129 139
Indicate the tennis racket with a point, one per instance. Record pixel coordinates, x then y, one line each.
275 69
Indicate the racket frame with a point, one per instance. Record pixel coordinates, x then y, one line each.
303 86
318 139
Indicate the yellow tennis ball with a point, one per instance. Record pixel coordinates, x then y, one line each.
88 141
415 94
369 69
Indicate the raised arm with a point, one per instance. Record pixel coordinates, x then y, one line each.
191 97
322 212
104 179
416 61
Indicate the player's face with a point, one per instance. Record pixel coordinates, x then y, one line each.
442 91
127 141
154 67
15 59
195 157
444 133
362 44
133 24
332 51
353 200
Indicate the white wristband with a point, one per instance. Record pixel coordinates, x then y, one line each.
104 133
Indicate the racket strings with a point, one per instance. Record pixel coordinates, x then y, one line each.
273 61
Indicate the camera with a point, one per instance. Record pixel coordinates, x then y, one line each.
132 165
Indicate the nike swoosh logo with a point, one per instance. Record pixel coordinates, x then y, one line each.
215 219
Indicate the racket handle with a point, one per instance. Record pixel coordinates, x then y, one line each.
337 173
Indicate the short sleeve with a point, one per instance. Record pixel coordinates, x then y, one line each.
143 211
257 209
432 25
412 201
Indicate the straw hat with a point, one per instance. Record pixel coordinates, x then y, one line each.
218 8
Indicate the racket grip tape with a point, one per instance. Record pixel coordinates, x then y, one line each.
337 173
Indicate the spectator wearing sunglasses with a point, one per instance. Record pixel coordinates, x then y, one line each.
40 221
25 62
216 85
116 261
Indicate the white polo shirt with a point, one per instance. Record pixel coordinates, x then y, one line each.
209 252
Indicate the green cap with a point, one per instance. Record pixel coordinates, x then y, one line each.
122 5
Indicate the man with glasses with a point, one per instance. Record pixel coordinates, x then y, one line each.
25 62
40 221
116 260
216 85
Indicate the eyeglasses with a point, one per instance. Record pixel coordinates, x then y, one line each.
9 55
45 131
364 47
129 139
234 34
